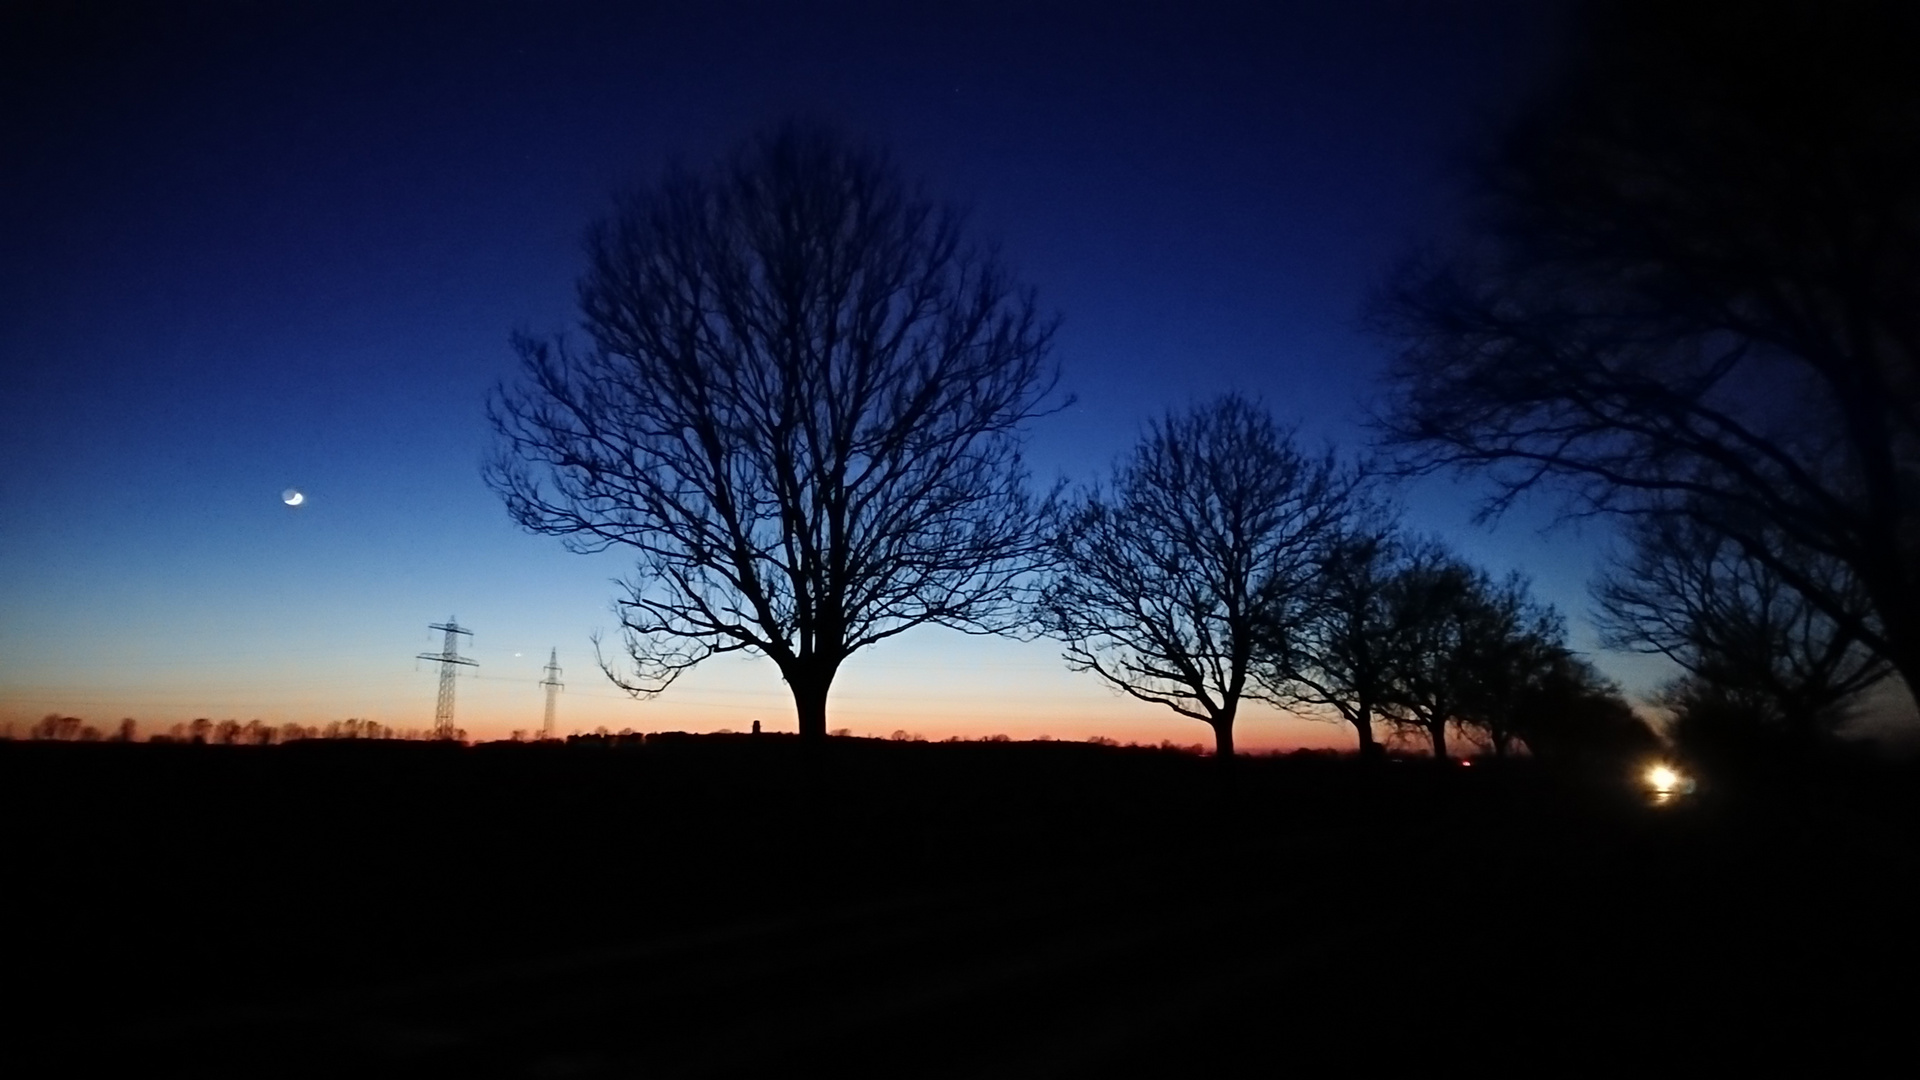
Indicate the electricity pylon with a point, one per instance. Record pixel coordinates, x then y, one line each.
448 658
552 683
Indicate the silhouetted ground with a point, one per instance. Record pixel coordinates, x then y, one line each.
743 907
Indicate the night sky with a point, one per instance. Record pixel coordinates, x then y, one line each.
247 248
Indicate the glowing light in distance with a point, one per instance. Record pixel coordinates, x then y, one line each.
1663 779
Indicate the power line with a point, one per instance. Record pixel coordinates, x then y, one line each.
553 684
448 658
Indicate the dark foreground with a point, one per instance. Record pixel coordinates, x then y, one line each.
741 907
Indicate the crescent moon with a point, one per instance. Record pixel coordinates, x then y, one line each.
292 497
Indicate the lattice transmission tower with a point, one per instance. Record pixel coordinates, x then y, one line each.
553 684
449 659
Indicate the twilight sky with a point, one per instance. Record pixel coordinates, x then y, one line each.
251 247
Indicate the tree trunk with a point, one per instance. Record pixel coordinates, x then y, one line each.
1906 664
1223 736
809 681
1437 731
1891 585
1363 724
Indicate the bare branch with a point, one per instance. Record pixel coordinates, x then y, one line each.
1693 293
1696 597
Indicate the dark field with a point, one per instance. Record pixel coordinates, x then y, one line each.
743 907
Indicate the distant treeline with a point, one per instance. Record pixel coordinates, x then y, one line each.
54 727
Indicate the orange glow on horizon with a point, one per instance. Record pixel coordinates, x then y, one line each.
940 685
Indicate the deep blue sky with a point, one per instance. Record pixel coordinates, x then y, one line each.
247 247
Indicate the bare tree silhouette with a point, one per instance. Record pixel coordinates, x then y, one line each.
1694 294
1445 644
1692 595
1402 631
1212 529
1342 652
799 408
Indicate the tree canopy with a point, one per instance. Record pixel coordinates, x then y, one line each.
798 407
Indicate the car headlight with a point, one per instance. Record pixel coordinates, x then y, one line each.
1666 782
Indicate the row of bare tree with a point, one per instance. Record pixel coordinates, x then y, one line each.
1688 304
1224 563
800 409
55 727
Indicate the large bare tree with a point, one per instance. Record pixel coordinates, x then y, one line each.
1212 529
799 407
1693 293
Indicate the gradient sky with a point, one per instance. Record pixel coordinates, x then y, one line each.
251 247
